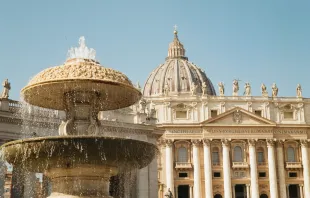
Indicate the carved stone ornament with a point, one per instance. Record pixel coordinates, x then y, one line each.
304 143
237 117
252 142
270 142
225 142
196 142
168 143
207 142
280 143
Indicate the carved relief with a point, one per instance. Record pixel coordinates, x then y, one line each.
237 117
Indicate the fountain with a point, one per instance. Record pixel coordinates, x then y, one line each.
80 161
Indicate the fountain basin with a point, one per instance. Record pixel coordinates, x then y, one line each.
43 153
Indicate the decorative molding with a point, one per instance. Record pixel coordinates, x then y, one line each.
188 131
254 130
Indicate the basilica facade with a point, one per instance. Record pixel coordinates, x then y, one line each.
230 145
214 144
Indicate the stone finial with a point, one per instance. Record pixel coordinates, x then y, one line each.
247 89
6 89
274 90
299 91
264 90
221 88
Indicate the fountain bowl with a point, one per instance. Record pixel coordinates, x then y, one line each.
112 88
67 152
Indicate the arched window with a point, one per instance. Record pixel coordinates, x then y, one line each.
215 156
263 196
260 155
238 155
182 154
290 154
217 196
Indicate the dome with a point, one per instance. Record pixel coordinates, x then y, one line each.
177 75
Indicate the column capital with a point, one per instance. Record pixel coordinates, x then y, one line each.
207 142
226 142
280 143
304 143
196 142
252 142
270 142
301 185
167 142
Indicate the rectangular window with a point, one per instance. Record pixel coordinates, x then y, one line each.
258 112
292 174
217 174
183 175
262 174
213 113
181 114
215 158
288 115
260 157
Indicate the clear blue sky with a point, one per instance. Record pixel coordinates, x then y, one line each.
256 41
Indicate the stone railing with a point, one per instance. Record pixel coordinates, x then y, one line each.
240 165
182 165
293 165
14 106
216 164
262 163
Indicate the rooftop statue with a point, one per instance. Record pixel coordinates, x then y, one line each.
235 87
247 91
299 91
264 90
275 90
221 88
6 89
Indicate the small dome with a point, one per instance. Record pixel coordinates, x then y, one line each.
177 74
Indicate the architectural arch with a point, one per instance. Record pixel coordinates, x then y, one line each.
263 196
218 196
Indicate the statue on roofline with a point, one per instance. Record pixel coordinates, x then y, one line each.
6 89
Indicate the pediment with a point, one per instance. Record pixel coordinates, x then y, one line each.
238 116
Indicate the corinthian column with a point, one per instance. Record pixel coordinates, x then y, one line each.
305 164
280 167
272 170
207 168
253 165
226 169
169 166
197 176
